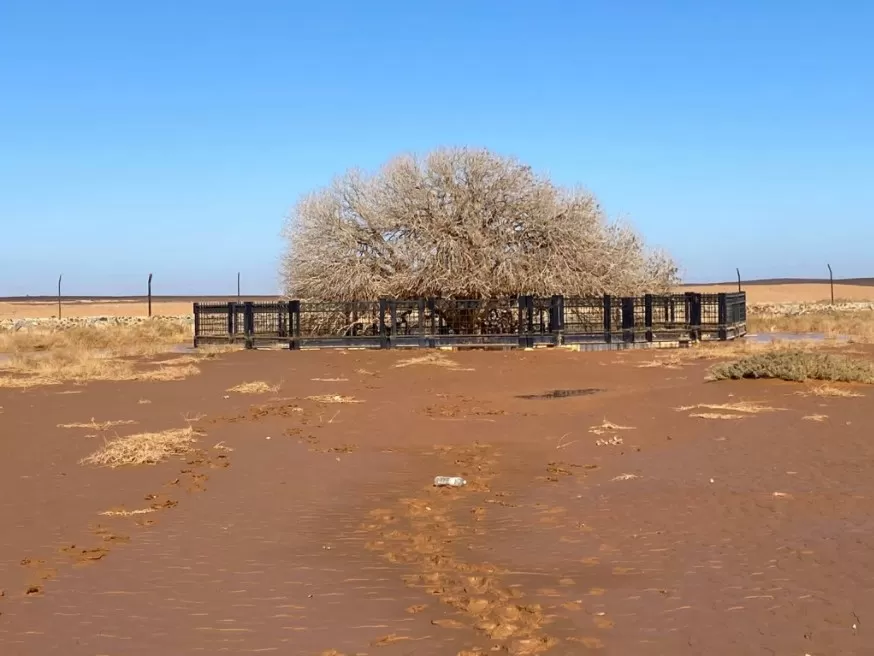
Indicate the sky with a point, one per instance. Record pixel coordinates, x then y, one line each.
174 138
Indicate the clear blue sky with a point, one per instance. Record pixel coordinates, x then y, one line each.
173 136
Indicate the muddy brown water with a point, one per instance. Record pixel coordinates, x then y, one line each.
689 536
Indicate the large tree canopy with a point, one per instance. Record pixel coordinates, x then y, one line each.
466 224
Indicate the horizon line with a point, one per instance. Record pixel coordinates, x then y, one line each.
861 282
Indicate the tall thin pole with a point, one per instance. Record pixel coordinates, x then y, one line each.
150 294
60 277
831 280
238 286
738 279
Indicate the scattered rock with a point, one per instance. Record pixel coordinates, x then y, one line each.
67 323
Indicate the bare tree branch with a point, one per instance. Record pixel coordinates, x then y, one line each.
466 224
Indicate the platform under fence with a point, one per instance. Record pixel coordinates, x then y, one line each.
594 322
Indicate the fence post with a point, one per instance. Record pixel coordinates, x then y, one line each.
294 325
392 328
421 330
831 281
722 329
196 323
383 334
529 314
608 319
232 322
628 319
526 321
647 316
249 324
150 294
693 305
556 318
432 332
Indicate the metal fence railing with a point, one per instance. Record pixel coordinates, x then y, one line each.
431 322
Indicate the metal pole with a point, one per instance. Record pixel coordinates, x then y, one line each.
150 294
238 286
738 279
831 279
60 277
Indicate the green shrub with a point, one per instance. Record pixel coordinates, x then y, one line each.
795 365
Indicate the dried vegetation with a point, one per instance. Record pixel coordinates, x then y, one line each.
82 354
254 387
736 410
849 322
797 365
461 223
143 448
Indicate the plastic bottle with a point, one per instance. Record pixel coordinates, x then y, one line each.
449 481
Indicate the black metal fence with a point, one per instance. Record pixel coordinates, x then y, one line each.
525 321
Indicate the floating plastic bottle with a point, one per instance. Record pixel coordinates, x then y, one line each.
449 481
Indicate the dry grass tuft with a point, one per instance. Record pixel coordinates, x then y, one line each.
56 367
100 425
332 398
25 382
672 361
715 415
254 387
797 365
830 391
147 338
855 325
815 417
608 427
128 513
165 373
743 407
432 359
51 357
143 448
738 410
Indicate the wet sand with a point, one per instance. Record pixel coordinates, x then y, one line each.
608 522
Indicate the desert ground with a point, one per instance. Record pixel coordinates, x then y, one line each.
756 293
283 502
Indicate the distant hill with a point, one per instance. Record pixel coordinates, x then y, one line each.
865 282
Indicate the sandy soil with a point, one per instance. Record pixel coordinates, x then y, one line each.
755 294
794 293
304 526
39 309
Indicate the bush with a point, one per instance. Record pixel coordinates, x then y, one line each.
796 365
461 223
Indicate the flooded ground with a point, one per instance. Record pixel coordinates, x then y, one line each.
306 522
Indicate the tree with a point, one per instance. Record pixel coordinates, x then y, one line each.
461 223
